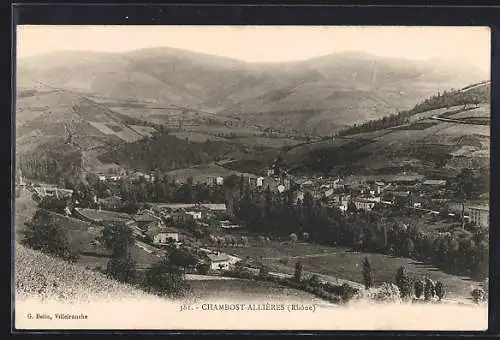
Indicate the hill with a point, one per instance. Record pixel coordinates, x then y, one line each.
166 152
321 94
39 275
433 140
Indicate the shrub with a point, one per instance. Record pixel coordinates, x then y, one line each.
478 295
419 288
387 292
403 282
440 290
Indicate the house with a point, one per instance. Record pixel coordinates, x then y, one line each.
480 215
366 203
281 188
379 187
338 183
434 183
197 215
307 183
260 181
229 225
219 261
163 235
219 180
269 172
328 193
102 177
112 202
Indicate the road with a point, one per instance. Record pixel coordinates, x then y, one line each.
457 121
299 256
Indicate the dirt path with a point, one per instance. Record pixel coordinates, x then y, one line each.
300 256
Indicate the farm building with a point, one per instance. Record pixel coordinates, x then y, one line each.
219 261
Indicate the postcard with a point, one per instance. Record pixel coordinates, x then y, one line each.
252 177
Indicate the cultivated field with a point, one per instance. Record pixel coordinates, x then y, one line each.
269 142
336 262
197 136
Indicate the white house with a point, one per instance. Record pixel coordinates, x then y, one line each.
102 178
366 203
328 193
197 215
219 180
219 261
281 188
162 236
260 181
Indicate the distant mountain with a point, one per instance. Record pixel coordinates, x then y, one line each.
322 94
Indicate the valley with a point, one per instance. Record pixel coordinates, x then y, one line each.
324 162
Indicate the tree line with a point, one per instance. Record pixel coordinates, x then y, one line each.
458 251
446 99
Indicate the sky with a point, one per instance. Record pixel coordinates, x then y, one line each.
267 43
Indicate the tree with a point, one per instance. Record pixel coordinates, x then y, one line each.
403 282
408 247
305 236
419 288
182 258
166 279
368 277
54 204
121 267
45 234
117 238
263 271
440 290
298 272
429 289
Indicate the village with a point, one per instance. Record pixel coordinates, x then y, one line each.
205 228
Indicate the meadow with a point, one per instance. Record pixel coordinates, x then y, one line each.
334 263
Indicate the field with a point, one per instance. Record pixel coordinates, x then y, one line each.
200 173
269 142
197 136
240 289
336 262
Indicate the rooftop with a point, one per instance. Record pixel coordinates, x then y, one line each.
103 215
218 258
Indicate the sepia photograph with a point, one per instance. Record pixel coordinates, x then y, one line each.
251 177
